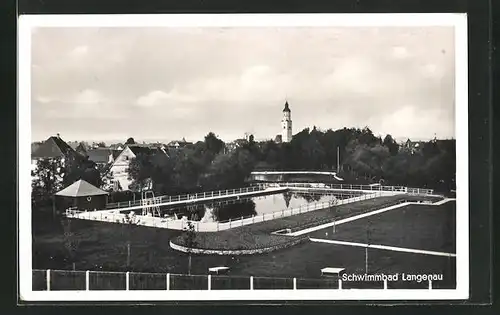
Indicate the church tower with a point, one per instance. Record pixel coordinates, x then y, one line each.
286 124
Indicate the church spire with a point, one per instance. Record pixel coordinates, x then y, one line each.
287 109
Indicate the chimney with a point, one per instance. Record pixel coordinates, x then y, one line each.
58 135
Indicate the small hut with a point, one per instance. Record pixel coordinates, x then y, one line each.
84 196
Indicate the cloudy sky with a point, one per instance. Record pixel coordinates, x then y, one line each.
168 83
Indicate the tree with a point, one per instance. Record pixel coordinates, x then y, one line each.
71 242
213 144
128 222
82 168
189 238
130 141
391 144
47 179
140 171
106 177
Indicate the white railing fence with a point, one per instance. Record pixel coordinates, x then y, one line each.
401 189
165 199
169 223
57 280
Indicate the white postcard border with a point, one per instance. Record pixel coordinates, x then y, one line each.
28 22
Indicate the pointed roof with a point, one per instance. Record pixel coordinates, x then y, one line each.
81 188
99 155
287 109
81 148
53 147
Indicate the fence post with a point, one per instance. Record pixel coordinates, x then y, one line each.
430 284
385 284
129 203
127 280
209 280
340 284
253 218
217 226
251 282
229 223
168 281
87 278
241 221
47 279
295 283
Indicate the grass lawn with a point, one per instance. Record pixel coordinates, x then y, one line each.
259 235
103 246
415 226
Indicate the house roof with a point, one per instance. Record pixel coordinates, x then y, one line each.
116 153
81 188
73 144
141 149
53 147
81 148
35 146
179 142
99 155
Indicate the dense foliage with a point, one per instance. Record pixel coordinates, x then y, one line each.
206 166
51 175
209 165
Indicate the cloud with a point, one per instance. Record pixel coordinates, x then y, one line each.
410 120
79 51
44 100
240 78
400 52
158 97
88 97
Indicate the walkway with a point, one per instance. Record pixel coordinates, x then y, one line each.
384 247
180 224
334 174
204 197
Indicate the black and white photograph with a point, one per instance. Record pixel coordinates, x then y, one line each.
243 157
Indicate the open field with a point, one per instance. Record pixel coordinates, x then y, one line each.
424 227
306 260
103 246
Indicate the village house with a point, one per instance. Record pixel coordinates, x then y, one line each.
178 144
412 147
119 167
52 148
102 156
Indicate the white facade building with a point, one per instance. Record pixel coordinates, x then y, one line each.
286 124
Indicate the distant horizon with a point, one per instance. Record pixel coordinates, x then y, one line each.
257 139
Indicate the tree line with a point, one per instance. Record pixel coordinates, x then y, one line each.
209 165
359 154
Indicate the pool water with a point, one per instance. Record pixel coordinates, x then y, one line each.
246 207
